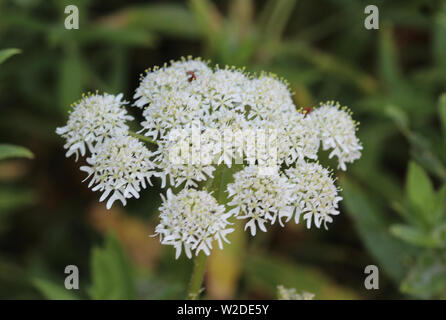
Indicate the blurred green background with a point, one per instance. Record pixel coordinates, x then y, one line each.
394 210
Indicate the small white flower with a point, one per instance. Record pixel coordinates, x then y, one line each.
337 131
187 75
93 119
298 139
259 198
120 166
268 98
186 157
291 294
192 220
314 194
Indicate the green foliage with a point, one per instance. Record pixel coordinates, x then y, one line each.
53 291
6 53
426 278
425 215
420 193
112 274
111 271
371 225
11 151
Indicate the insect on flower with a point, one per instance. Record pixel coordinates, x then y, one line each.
191 75
307 110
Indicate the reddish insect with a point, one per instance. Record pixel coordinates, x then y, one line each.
191 75
307 110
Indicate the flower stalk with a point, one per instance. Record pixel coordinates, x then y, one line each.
196 280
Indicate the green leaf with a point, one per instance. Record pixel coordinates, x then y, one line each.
373 228
389 69
53 291
112 274
427 279
398 116
414 236
71 77
12 151
420 192
279 12
6 53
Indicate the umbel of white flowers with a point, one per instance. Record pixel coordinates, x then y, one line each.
175 96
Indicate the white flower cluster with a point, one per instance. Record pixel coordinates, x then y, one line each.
337 131
259 198
187 96
120 166
192 219
94 118
314 194
306 189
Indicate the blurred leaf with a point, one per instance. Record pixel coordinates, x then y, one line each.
398 116
413 235
422 152
6 53
207 16
210 23
278 13
420 192
13 151
131 232
103 34
389 68
11 199
373 228
267 272
427 279
53 291
71 77
439 40
329 64
165 18
112 274
440 204
442 113
421 149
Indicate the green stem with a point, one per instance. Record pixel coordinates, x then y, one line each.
197 276
142 137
